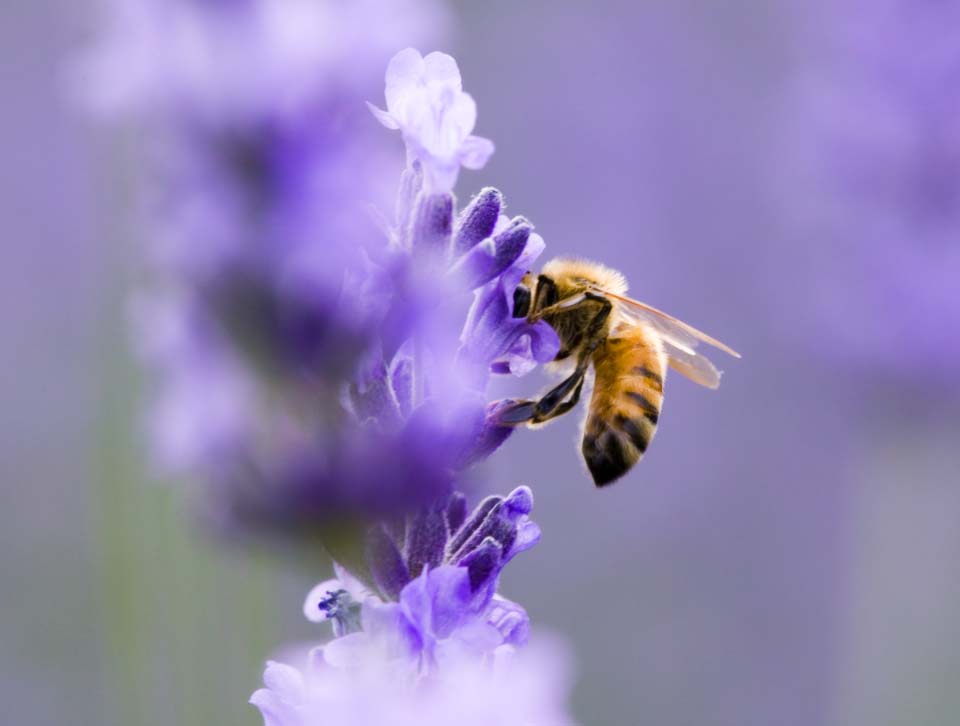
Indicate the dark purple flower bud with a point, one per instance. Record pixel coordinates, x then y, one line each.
483 563
494 255
494 525
432 223
518 502
389 571
471 525
426 539
477 221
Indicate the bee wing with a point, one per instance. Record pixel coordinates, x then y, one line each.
679 340
695 366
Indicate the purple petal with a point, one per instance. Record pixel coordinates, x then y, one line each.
440 598
519 501
280 701
284 680
510 619
531 345
516 507
475 151
389 623
349 651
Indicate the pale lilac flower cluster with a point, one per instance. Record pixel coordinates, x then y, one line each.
876 135
513 687
435 631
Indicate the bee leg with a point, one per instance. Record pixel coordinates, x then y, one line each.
550 406
563 407
552 403
518 412
555 396
544 296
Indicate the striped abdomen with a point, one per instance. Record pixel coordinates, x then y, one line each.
627 395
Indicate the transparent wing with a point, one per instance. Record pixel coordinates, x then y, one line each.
679 339
695 366
683 336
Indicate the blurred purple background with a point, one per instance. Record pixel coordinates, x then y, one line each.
784 554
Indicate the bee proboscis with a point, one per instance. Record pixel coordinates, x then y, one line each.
628 344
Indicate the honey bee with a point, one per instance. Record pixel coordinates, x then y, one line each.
628 343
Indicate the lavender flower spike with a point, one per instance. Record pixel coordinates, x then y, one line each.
426 102
445 648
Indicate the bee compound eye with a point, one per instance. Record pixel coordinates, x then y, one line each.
521 301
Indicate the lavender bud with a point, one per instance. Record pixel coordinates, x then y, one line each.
477 221
432 224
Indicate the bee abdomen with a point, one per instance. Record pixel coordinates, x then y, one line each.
608 455
625 408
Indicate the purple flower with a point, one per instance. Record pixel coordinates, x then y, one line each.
435 575
437 643
481 544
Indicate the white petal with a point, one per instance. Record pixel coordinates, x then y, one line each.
383 117
441 68
311 606
439 176
535 246
349 651
404 74
284 680
460 117
475 151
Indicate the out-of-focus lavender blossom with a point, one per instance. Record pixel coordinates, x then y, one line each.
527 687
311 358
875 134
436 644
